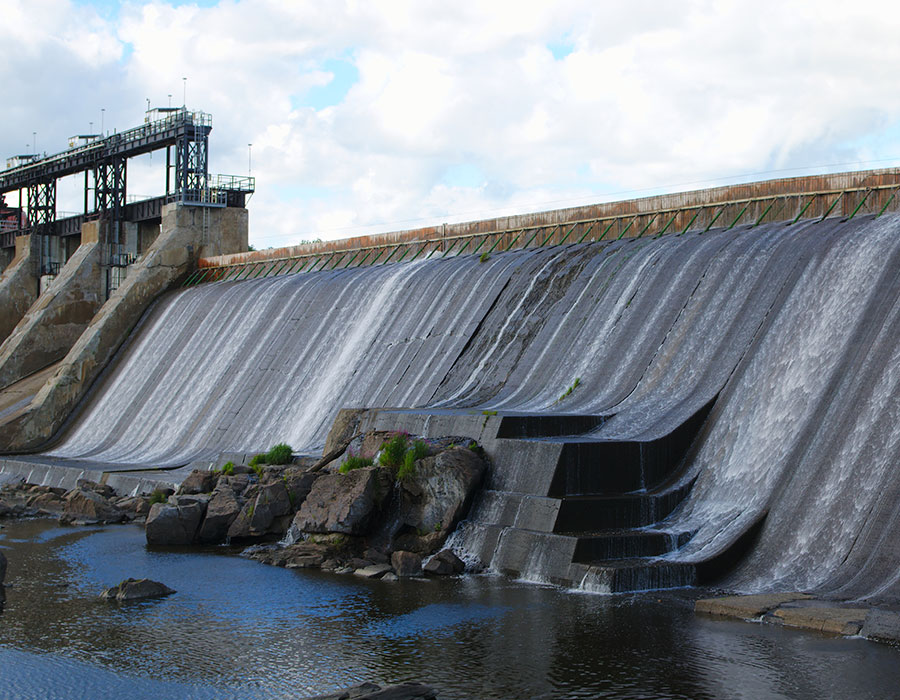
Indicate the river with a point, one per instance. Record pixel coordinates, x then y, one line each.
240 629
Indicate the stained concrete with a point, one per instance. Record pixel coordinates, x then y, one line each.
18 285
59 315
170 258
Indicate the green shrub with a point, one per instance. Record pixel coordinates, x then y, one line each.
354 462
393 451
280 454
257 469
484 257
228 468
476 448
256 460
158 497
408 468
420 449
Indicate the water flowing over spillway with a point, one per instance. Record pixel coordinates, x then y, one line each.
793 327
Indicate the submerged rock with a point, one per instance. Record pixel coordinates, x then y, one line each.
370 691
2 568
137 589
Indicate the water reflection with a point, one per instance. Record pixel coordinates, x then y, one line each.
240 629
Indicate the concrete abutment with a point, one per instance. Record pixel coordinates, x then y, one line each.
72 321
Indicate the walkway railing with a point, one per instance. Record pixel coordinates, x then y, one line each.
704 217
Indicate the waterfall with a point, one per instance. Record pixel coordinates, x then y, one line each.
793 327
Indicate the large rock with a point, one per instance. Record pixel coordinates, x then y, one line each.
137 589
101 489
173 525
221 512
298 484
198 481
437 495
2 568
87 504
406 563
272 502
344 503
444 563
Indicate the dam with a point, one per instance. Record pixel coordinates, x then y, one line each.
715 400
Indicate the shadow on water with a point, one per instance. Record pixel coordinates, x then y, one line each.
238 629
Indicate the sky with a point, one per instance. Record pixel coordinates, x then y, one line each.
381 115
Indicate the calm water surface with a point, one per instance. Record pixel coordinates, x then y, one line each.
238 629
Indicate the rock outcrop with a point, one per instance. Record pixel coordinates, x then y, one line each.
344 503
171 524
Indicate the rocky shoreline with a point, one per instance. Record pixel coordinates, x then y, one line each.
378 505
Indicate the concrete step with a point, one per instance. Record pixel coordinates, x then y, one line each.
637 575
626 544
590 513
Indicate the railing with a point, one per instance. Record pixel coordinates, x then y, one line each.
747 212
113 142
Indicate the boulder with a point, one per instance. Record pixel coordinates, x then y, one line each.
438 494
100 489
344 503
406 563
173 525
221 512
444 563
272 502
2 568
45 501
373 571
298 484
199 481
240 526
137 589
87 504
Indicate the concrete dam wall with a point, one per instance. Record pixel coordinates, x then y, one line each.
778 344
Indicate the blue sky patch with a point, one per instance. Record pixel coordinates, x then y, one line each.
463 175
345 75
561 48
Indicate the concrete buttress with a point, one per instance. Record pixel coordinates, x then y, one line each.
183 238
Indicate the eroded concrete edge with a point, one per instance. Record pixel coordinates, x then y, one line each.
804 611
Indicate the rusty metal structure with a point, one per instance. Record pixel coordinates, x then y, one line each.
103 160
789 200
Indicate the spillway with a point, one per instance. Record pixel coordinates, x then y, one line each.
788 331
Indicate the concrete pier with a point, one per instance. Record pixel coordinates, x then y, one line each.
186 233
19 285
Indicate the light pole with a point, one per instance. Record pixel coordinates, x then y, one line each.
102 119
184 93
249 158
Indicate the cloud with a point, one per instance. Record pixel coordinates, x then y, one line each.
393 113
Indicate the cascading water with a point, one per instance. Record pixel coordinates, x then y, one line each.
793 327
